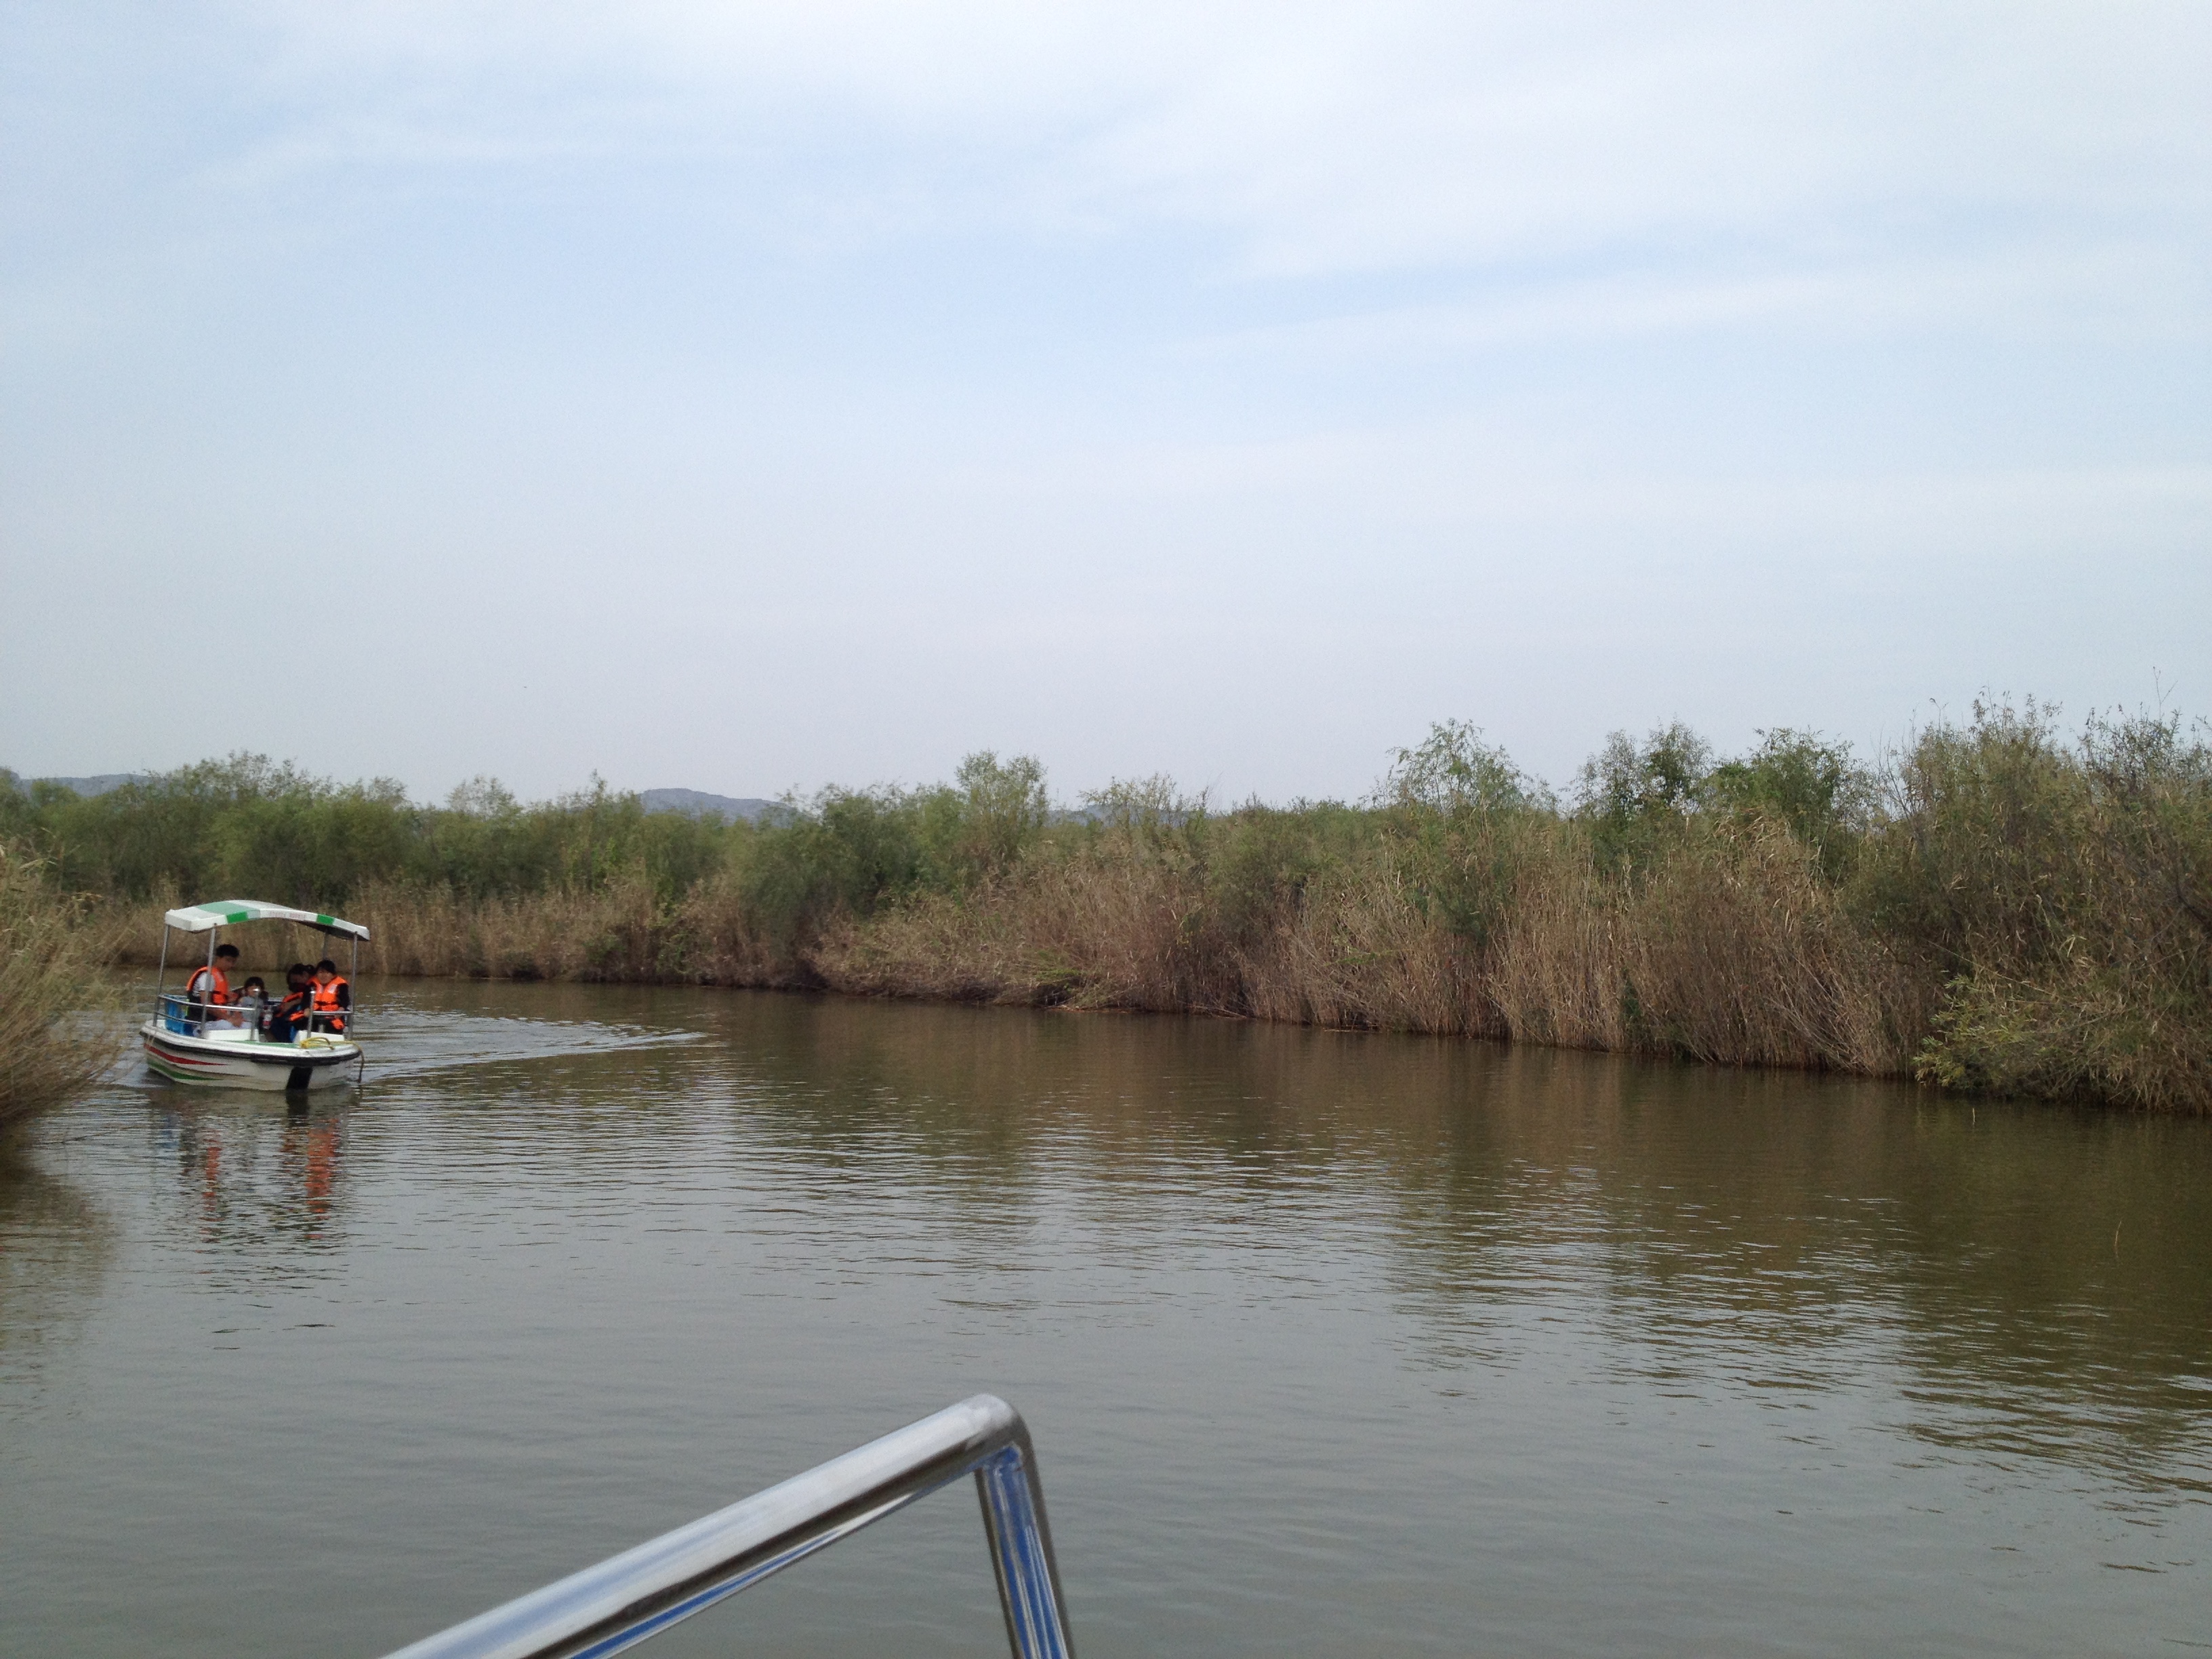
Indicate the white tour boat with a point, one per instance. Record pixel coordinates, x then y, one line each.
193 1042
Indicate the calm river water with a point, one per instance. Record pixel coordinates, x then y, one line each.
1332 1345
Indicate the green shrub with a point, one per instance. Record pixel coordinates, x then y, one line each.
1811 788
2064 890
1459 820
1635 799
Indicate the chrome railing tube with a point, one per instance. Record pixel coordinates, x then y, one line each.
642 1592
1021 1553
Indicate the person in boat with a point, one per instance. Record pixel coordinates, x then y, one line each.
253 1006
288 1018
209 988
333 998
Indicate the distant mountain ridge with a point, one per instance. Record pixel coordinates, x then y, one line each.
694 803
93 786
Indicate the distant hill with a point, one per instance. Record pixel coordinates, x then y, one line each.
694 803
93 786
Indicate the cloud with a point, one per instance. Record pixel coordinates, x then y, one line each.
2118 292
1251 338
1321 139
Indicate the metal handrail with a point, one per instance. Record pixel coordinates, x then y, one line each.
175 1005
642 1592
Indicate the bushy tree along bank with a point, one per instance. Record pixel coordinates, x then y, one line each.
2001 906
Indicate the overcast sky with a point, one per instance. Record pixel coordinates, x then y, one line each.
743 396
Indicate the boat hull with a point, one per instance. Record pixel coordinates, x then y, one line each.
229 1063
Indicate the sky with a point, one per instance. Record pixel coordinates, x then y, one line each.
750 397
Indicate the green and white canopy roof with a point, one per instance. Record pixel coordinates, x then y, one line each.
222 913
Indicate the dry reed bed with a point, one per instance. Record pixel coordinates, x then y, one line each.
1725 940
1746 961
1743 960
59 1025
1996 906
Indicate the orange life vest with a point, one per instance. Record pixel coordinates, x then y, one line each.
326 1003
218 984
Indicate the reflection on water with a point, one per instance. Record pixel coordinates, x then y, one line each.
267 1184
1769 1230
1334 1344
54 1248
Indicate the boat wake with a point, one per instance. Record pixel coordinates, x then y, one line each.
414 1042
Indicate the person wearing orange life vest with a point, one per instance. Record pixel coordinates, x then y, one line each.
209 988
333 998
288 1021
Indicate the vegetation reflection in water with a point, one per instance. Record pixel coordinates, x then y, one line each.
1333 1343
2046 1273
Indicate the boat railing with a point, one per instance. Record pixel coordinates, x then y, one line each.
184 1016
633 1596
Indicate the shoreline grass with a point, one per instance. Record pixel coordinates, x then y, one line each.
2000 906
59 1029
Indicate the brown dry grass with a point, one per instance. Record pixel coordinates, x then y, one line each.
1740 955
60 1019
1734 950
1357 952
1083 934
1997 906
1748 958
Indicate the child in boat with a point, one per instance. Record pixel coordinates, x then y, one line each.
253 1004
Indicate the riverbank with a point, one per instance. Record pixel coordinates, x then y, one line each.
1739 957
2000 906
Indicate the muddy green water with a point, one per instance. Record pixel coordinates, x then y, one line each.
1332 1345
